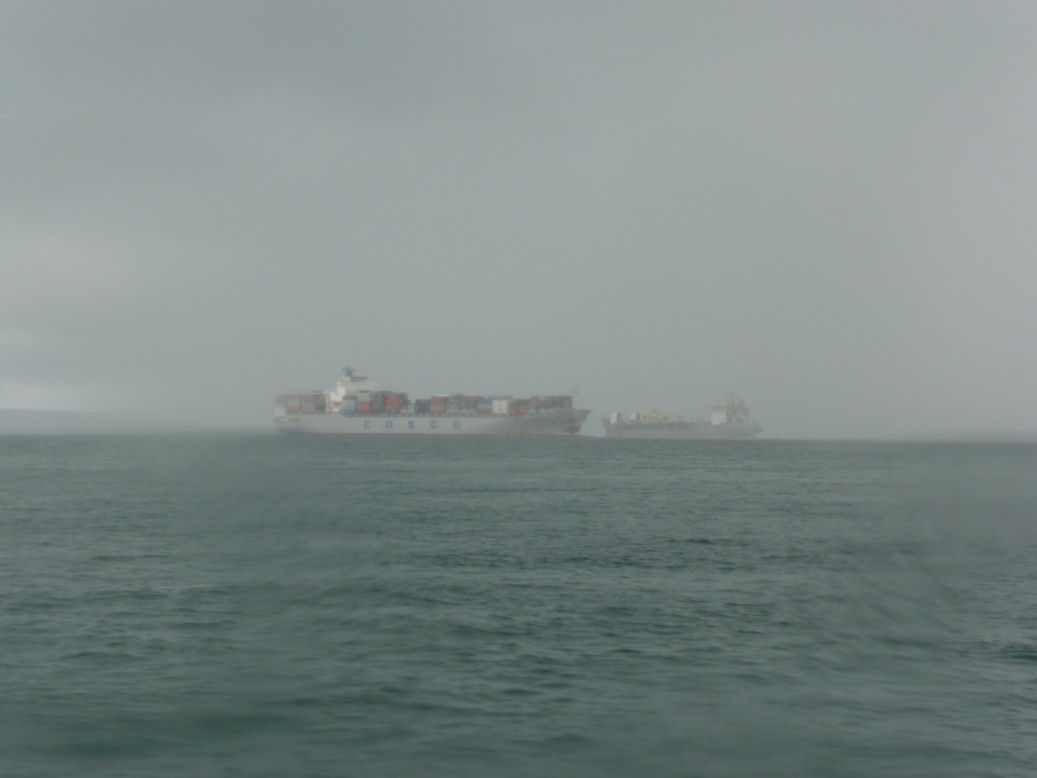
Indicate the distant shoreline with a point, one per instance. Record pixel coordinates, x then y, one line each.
38 421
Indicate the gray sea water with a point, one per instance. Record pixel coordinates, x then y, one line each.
264 605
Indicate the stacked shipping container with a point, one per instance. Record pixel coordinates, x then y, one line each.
394 403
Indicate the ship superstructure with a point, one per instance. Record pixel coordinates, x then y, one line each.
729 420
356 406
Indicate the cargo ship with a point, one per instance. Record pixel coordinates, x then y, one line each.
356 406
728 420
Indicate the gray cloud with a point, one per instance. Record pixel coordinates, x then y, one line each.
824 207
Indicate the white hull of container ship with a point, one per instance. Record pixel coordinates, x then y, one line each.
728 420
682 431
550 423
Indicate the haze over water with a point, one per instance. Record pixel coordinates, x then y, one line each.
264 605
825 208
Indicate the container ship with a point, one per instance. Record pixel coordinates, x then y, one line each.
356 406
727 421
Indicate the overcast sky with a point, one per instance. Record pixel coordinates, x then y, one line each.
827 207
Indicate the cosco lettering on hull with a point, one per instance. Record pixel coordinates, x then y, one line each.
411 425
